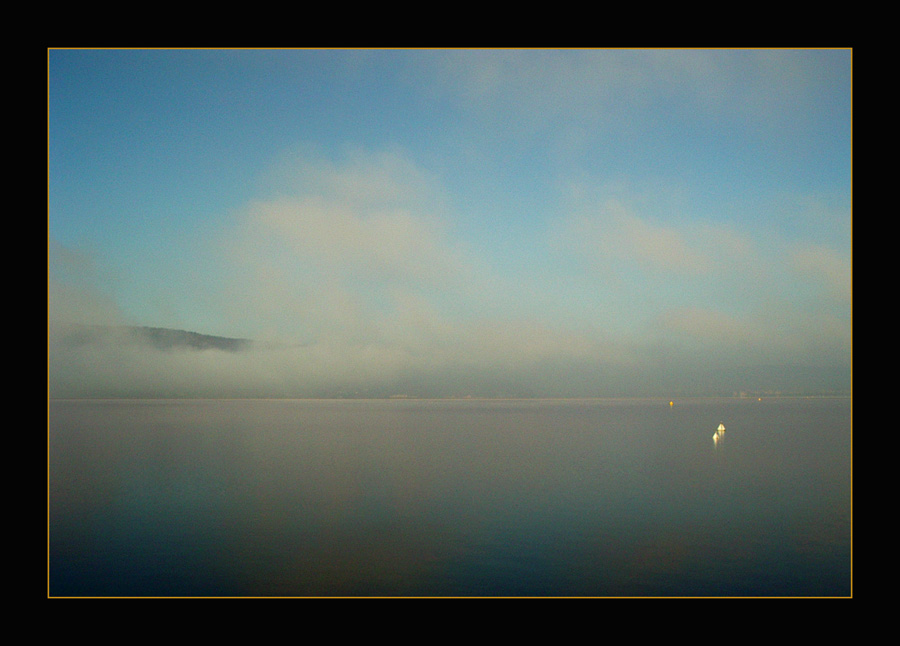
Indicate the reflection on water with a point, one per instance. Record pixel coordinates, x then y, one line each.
495 498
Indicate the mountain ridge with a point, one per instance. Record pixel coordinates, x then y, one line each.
157 337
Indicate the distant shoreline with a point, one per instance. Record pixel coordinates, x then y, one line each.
663 400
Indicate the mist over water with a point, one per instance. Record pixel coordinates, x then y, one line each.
450 498
100 361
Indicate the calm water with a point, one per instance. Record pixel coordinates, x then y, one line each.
450 498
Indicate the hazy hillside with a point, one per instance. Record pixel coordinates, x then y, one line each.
158 338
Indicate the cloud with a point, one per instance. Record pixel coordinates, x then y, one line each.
351 281
343 237
709 326
360 265
77 290
698 290
525 92
824 267
358 260
342 250
654 245
612 236
771 332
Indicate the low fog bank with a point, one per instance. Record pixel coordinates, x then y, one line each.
140 362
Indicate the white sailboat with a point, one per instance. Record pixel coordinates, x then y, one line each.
720 433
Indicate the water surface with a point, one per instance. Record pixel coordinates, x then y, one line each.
450 498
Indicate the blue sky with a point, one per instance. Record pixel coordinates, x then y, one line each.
560 222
